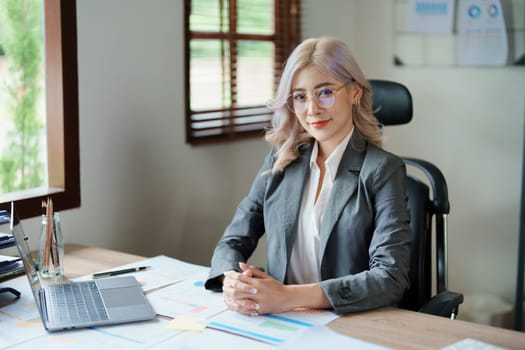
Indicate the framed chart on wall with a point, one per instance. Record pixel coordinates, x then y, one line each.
459 33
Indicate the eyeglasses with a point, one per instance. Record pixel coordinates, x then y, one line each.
322 97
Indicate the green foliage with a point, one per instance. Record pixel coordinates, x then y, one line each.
20 164
253 17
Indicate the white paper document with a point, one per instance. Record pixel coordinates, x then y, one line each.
163 271
212 339
274 329
471 344
325 338
20 321
187 298
132 336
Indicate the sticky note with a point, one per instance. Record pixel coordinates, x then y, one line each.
186 323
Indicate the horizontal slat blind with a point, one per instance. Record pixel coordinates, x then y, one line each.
235 50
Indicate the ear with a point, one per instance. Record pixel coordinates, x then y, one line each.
357 92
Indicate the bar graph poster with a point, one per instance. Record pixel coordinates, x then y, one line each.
430 16
482 33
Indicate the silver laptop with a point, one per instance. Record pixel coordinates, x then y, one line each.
68 305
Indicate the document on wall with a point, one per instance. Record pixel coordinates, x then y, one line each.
430 16
482 33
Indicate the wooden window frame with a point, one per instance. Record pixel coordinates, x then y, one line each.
285 37
61 116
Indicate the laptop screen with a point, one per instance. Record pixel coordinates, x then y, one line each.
25 254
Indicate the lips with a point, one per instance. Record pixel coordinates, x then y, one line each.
319 123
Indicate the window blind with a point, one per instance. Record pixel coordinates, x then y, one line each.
234 53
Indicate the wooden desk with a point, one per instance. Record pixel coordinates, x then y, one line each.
393 328
403 329
81 260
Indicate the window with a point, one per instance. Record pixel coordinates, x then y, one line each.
235 50
61 105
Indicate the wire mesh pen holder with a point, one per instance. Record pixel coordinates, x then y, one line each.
51 250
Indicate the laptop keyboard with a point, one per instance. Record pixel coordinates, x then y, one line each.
76 303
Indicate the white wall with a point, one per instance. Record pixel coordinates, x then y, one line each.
145 191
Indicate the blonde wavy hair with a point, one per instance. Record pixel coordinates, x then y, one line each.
333 56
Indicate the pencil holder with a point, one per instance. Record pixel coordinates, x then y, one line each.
51 250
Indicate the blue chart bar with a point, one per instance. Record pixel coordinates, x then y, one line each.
290 320
263 337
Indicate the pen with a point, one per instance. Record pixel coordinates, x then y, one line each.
120 272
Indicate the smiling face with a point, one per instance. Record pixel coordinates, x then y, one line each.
328 123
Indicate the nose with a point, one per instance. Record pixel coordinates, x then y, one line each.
312 107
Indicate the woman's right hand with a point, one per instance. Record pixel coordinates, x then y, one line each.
238 293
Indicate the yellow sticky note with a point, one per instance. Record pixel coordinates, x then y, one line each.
187 323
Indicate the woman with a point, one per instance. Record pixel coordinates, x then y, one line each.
330 200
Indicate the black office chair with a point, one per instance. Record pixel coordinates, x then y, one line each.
392 105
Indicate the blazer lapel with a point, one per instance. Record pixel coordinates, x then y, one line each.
294 181
345 184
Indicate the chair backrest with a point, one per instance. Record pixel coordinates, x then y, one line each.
420 262
392 105
391 102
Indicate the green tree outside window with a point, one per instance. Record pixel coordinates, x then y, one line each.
21 161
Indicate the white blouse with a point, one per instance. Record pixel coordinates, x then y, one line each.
305 259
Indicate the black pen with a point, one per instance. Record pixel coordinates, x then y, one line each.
120 272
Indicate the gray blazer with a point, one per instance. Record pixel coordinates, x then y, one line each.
365 234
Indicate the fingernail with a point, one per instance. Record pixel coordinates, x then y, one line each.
254 291
254 314
257 306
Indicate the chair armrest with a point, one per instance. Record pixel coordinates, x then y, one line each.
444 304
